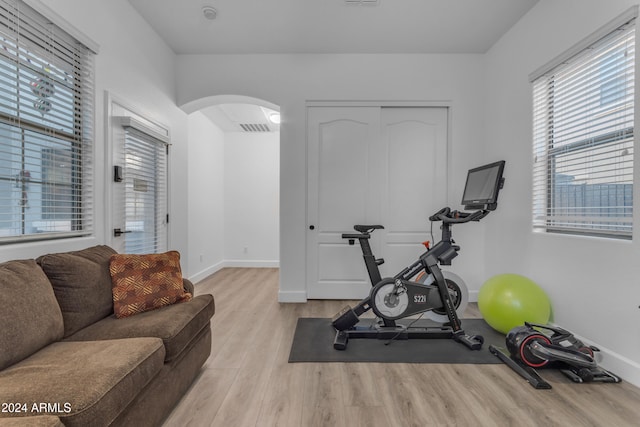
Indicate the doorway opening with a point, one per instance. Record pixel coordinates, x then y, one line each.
234 184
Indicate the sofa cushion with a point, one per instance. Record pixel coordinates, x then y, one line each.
32 421
30 317
82 284
146 282
87 383
176 325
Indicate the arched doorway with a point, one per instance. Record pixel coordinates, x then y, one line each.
234 183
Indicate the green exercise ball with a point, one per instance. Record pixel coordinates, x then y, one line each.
509 300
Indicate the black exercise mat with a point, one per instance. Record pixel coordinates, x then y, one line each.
313 342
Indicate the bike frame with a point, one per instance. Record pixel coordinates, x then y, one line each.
441 253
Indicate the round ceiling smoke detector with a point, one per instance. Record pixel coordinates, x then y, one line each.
209 12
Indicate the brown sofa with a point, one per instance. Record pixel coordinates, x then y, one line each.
65 359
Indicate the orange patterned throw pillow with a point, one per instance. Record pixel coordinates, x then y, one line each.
146 282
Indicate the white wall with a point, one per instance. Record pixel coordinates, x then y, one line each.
251 199
137 66
290 80
206 185
592 282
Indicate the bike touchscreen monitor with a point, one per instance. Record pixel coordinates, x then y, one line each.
483 185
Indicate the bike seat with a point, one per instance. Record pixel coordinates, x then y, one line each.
367 228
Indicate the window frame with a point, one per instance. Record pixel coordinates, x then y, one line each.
41 35
589 219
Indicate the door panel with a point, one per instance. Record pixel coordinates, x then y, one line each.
343 176
416 181
339 196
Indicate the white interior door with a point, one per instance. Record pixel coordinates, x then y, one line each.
370 165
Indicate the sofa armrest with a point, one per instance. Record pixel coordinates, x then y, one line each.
188 286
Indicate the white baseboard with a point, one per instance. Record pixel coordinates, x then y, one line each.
292 296
619 365
473 296
195 278
627 369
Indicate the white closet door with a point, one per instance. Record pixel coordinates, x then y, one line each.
370 165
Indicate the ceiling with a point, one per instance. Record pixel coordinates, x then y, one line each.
327 26
332 26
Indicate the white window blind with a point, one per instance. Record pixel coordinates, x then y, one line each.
583 140
145 179
46 128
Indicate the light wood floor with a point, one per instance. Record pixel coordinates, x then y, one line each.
248 382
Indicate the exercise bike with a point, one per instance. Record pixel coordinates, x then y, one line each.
535 346
432 290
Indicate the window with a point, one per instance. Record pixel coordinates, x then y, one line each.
145 198
145 187
46 115
583 138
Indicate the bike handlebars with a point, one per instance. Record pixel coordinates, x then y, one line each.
447 216
442 213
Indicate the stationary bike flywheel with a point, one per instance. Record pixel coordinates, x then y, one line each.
458 293
391 301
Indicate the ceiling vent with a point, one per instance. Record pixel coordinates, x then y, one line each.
255 127
237 117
